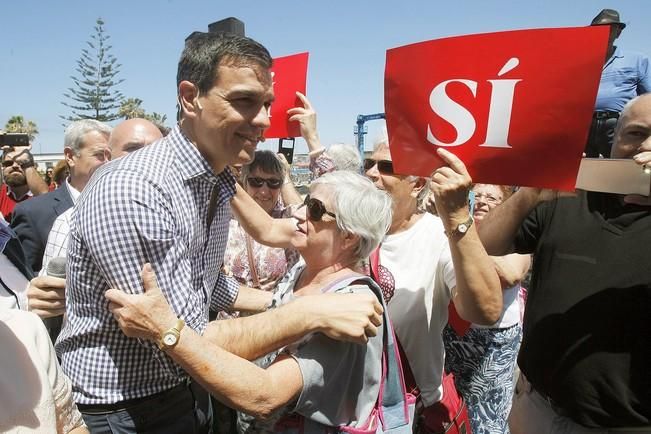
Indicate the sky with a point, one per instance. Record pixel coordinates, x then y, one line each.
347 41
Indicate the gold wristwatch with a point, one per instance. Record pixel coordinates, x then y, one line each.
171 337
461 228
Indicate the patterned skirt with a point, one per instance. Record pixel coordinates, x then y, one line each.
483 361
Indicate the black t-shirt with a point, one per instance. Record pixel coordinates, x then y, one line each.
587 333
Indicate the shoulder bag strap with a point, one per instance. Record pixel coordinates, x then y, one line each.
249 254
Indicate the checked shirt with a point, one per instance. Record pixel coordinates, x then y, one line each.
149 206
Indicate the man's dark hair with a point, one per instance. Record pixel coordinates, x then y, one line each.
204 52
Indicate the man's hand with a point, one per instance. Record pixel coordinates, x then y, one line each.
344 317
450 186
25 159
306 117
145 315
46 296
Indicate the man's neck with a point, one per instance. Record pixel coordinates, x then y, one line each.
188 131
18 192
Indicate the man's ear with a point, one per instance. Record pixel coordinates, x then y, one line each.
189 99
68 153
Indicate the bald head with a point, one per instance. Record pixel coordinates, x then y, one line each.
131 135
633 131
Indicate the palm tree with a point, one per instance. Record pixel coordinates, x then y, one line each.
17 124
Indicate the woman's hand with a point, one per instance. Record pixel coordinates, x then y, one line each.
145 315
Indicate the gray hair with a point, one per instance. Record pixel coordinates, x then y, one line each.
360 207
205 52
423 194
344 157
73 136
265 160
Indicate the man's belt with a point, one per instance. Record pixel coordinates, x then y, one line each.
605 115
123 405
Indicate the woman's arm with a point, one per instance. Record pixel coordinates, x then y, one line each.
511 269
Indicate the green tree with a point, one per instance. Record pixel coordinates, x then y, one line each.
17 124
94 94
131 108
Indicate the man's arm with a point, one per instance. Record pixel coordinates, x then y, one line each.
345 317
251 299
219 371
478 294
500 226
260 225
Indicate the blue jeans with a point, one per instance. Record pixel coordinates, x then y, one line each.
184 409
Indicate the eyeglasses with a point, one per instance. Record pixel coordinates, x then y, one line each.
383 166
489 199
316 209
272 183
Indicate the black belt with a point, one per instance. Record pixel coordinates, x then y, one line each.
605 115
127 403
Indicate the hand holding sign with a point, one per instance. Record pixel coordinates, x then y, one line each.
306 118
450 185
643 159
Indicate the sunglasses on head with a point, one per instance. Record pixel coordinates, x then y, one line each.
272 183
383 166
316 209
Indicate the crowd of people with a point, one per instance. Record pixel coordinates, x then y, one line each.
177 282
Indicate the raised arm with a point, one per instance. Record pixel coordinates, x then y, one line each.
500 226
260 225
512 268
478 294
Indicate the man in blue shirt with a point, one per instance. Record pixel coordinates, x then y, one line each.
625 75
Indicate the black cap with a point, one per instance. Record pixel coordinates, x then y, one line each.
607 17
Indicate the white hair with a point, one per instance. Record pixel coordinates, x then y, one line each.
382 141
361 208
344 157
74 135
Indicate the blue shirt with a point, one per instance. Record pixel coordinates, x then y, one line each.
149 206
625 76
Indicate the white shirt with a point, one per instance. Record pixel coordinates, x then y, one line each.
419 260
36 395
16 282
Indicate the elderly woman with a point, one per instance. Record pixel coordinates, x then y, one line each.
483 358
251 263
319 379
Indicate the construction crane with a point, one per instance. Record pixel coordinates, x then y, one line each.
360 129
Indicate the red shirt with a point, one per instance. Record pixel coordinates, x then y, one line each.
8 201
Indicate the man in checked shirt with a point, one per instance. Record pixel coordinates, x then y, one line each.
169 204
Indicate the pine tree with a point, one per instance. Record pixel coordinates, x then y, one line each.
94 95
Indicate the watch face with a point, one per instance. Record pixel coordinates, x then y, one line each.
463 228
169 339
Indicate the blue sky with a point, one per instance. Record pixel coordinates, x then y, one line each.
42 40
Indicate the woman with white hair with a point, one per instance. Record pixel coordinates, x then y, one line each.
317 379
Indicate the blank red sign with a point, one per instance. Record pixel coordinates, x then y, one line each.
289 75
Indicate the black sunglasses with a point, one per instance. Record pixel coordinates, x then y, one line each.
316 209
383 166
272 183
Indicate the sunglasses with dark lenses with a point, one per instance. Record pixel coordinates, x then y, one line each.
316 209
383 166
7 163
272 183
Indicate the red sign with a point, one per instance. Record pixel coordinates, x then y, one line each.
289 75
515 106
